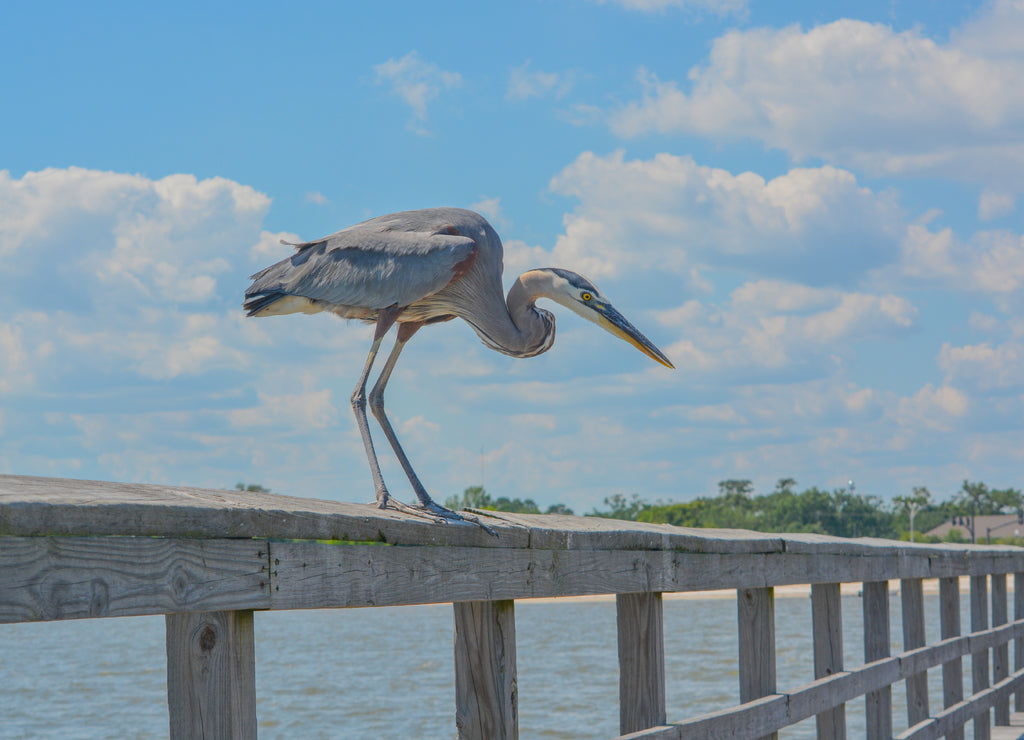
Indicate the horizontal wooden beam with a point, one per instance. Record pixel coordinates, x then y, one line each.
42 507
959 714
50 578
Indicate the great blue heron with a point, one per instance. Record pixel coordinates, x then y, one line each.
420 267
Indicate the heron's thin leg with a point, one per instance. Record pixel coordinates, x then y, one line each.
405 332
385 320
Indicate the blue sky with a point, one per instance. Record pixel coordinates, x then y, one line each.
815 210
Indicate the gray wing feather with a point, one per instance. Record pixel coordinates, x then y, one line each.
369 266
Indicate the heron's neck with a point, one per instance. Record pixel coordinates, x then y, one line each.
523 330
533 329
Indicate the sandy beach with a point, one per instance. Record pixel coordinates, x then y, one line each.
931 586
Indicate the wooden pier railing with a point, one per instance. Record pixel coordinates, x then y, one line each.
208 559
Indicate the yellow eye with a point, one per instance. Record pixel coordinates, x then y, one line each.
586 296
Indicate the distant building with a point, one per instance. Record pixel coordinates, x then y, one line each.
985 526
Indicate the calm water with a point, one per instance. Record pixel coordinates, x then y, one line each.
365 673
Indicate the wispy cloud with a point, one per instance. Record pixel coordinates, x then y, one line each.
417 82
715 7
524 82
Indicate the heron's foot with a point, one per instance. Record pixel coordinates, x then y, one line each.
432 511
459 516
387 501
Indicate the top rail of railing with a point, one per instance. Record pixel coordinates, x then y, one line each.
531 556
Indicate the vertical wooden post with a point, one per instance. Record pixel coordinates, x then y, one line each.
912 597
641 633
486 693
1018 644
756 616
827 628
979 660
1000 653
953 671
211 675
876 646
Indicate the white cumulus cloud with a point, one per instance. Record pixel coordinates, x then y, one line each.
858 94
816 225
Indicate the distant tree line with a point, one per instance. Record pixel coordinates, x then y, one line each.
475 497
840 512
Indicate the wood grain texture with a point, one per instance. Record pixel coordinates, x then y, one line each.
949 627
827 633
756 624
52 578
878 702
33 506
950 721
1018 644
486 686
979 658
641 641
211 675
1000 653
912 602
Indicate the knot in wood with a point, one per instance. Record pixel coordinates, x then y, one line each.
207 638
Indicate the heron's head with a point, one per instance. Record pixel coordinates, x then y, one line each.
581 296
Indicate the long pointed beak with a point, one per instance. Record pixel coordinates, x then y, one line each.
615 323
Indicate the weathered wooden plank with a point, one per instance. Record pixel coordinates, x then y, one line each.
756 621
876 647
952 672
1018 644
31 506
1000 653
749 720
769 714
71 577
641 639
823 693
1013 731
912 597
211 675
310 575
921 659
53 506
950 721
49 578
486 686
979 658
827 633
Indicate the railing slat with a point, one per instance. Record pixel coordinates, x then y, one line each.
211 675
486 693
979 658
827 629
1018 644
641 638
756 617
1000 653
876 646
953 671
912 598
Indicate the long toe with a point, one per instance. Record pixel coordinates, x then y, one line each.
460 516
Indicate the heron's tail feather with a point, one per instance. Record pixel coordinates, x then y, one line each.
277 303
256 303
